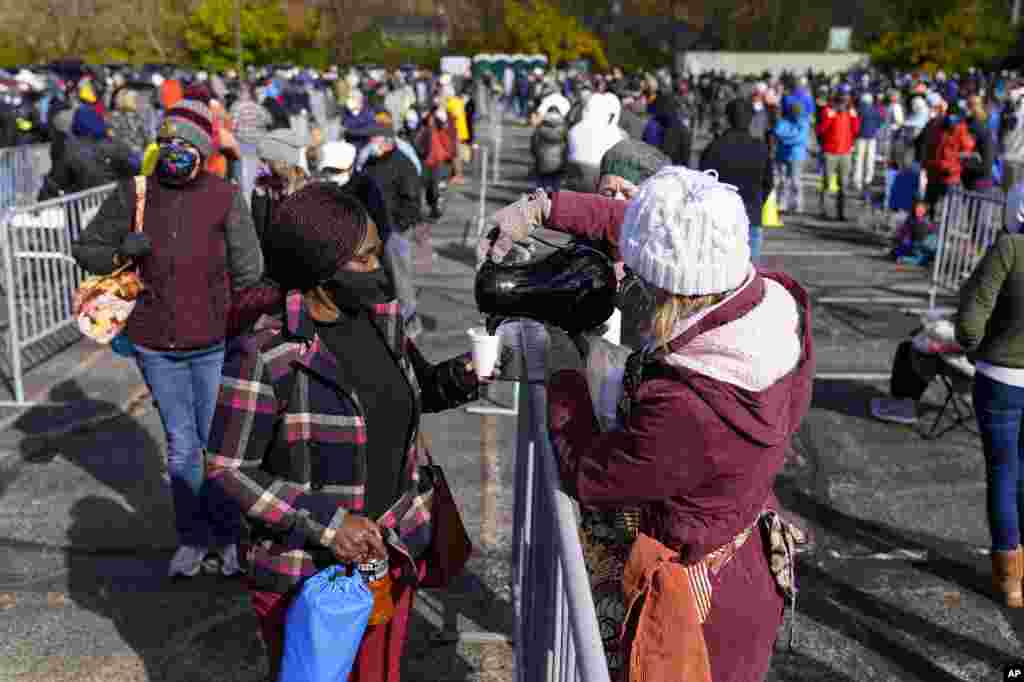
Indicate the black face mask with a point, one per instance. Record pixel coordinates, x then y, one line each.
635 295
356 290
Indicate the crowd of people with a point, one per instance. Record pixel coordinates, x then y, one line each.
284 365
930 132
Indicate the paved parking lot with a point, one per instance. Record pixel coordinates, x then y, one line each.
894 585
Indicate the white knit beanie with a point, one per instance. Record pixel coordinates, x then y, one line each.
687 233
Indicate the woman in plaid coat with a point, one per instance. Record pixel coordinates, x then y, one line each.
316 425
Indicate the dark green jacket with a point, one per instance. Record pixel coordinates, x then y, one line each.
990 319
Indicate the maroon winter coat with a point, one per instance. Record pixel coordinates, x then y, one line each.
203 245
707 434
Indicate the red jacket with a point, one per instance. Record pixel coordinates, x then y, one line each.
943 148
435 145
699 454
838 130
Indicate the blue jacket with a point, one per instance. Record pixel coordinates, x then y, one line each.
803 97
353 121
870 122
791 139
654 133
952 91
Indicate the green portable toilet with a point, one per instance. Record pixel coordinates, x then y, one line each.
481 64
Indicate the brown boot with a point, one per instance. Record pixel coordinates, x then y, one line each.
1007 574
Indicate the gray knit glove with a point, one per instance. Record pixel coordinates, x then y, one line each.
514 223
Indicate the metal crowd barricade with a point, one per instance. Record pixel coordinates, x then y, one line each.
498 139
40 276
22 170
8 176
556 629
489 165
37 166
970 222
481 217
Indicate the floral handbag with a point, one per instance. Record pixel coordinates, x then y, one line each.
102 303
781 539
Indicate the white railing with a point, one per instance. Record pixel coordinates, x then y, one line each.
969 223
39 274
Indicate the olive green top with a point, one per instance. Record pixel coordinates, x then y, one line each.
990 319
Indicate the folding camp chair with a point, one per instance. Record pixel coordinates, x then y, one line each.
957 376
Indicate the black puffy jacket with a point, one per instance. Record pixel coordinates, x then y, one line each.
741 159
88 163
677 139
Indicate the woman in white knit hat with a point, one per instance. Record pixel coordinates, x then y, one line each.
709 406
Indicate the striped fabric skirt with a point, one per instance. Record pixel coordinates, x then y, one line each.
607 537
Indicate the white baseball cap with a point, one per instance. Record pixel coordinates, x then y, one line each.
340 155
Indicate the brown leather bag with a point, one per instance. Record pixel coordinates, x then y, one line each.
450 546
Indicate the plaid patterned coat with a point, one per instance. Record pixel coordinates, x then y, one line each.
288 443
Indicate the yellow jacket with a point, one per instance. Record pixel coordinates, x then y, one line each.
456 108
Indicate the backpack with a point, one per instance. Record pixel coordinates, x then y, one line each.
905 382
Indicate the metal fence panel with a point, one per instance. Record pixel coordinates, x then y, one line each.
556 633
22 170
36 166
40 276
969 223
8 177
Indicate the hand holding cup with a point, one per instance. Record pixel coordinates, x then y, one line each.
486 349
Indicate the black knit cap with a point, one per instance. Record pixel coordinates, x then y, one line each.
315 231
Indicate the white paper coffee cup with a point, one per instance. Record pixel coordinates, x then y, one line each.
485 351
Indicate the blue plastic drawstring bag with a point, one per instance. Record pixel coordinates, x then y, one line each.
324 627
122 345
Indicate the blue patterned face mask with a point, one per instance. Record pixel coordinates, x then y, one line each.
375 150
177 162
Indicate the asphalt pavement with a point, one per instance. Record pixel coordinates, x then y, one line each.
895 584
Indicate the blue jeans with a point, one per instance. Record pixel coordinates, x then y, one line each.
790 193
755 243
399 247
1000 408
248 170
185 385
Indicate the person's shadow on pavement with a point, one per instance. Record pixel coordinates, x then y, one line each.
107 486
190 630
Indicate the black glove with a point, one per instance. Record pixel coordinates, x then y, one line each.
135 245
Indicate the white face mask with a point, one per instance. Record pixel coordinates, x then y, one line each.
354 105
758 106
340 179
